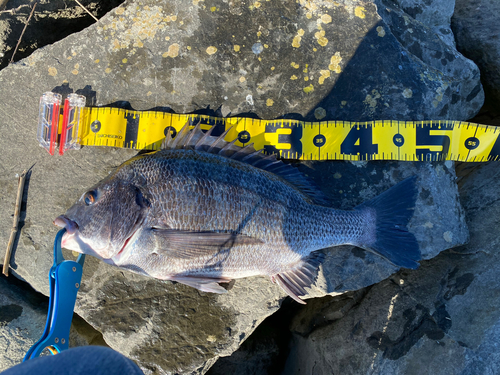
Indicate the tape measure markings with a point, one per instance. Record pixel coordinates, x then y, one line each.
340 140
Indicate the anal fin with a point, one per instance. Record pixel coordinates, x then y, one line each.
296 279
205 284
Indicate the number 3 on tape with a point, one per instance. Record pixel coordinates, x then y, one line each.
290 139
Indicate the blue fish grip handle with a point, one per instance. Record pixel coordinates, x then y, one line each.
65 277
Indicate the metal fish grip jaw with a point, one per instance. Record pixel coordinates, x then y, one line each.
65 277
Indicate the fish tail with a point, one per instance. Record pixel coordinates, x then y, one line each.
391 211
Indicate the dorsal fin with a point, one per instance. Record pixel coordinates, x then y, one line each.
197 140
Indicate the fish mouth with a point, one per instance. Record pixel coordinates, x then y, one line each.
65 222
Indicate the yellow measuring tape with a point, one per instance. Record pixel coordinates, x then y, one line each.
292 139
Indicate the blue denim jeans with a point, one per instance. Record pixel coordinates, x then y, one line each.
84 360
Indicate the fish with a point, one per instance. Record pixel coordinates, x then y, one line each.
203 211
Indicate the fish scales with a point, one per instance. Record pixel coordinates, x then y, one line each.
200 212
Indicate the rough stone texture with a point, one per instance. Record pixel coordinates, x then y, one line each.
52 20
441 319
23 313
126 56
434 14
271 58
477 32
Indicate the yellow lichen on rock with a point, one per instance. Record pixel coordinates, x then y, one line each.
236 48
380 31
335 63
324 75
52 71
173 51
308 89
211 50
269 102
320 36
296 41
359 12
326 18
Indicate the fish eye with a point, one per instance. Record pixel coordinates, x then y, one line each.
90 197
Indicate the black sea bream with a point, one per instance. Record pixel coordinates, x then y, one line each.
201 211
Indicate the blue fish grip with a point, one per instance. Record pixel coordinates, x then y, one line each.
65 277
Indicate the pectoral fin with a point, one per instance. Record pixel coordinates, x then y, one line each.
191 244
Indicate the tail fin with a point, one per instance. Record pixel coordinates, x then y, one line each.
394 209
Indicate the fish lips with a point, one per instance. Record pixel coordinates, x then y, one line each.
64 222
71 239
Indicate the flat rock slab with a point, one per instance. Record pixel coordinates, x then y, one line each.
417 321
351 60
140 53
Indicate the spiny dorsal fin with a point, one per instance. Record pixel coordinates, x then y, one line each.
197 140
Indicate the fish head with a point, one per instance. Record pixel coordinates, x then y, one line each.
104 219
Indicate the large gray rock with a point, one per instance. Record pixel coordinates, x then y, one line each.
434 14
269 58
476 28
131 54
441 319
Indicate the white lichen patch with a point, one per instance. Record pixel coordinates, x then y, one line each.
380 31
439 94
319 113
133 25
371 100
448 236
407 93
